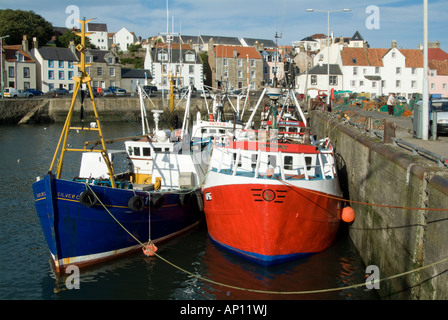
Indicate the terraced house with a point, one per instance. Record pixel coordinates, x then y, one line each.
20 67
55 67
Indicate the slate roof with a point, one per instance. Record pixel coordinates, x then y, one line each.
56 53
135 73
323 69
175 55
97 27
266 42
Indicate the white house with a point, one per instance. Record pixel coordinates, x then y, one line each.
98 36
382 71
123 38
55 67
181 62
20 66
316 78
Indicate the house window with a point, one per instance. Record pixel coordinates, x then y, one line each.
377 70
252 63
240 62
353 83
164 69
191 69
89 59
110 60
355 71
26 72
413 84
225 74
191 81
189 57
50 64
163 56
61 75
112 72
70 64
413 71
314 79
433 86
70 75
240 74
99 70
398 84
398 70
333 80
444 87
361 83
225 62
11 72
61 64
374 84
433 73
394 55
253 74
50 74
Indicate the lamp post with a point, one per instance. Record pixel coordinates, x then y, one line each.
1 62
328 43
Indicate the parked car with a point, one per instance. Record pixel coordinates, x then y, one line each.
149 89
16 93
107 93
35 92
401 99
120 92
57 92
440 106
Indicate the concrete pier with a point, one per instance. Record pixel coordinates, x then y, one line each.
406 232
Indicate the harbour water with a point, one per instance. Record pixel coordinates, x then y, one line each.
190 267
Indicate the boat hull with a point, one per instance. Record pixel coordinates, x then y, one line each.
82 235
270 223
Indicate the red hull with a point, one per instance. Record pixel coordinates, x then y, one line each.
271 222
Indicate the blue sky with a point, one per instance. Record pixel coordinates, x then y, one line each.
398 20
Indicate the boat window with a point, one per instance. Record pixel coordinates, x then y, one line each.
308 161
157 149
222 131
136 151
272 160
253 159
234 159
287 163
146 152
212 131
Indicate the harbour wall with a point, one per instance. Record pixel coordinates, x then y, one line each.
396 240
42 110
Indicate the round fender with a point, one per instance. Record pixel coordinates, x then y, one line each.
87 198
136 203
184 199
157 201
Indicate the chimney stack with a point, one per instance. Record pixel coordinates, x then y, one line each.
25 44
394 44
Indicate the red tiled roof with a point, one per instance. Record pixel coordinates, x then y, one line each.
242 52
374 57
440 66
437 54
10 53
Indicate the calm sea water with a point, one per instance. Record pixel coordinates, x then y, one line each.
26 273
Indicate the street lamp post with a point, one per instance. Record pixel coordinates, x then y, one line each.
1 62
328 43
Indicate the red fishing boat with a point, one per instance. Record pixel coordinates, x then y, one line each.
273 194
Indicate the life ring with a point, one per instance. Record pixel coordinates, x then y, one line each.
87 198
136 203
157 201
184 199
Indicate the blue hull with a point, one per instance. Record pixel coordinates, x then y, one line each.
83 235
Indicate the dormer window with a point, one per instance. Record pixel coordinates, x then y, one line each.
189 57
19 57
354 60
162 56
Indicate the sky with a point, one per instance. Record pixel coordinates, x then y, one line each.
378 21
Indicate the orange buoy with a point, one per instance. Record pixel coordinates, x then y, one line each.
210 117
149 250
348 214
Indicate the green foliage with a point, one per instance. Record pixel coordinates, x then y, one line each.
137 62
69 35
134 47
17 23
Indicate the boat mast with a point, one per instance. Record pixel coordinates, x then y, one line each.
83 78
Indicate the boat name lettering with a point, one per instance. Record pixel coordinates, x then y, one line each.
272 146
68 195
40 195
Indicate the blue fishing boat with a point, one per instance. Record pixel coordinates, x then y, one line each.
101 214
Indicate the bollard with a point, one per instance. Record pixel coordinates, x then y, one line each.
389 132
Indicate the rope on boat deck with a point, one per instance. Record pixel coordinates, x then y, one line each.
266 291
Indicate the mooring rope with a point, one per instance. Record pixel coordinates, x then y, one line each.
354 286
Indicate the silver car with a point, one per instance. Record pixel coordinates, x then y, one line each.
440 106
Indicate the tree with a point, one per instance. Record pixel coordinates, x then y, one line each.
17 23
69 35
